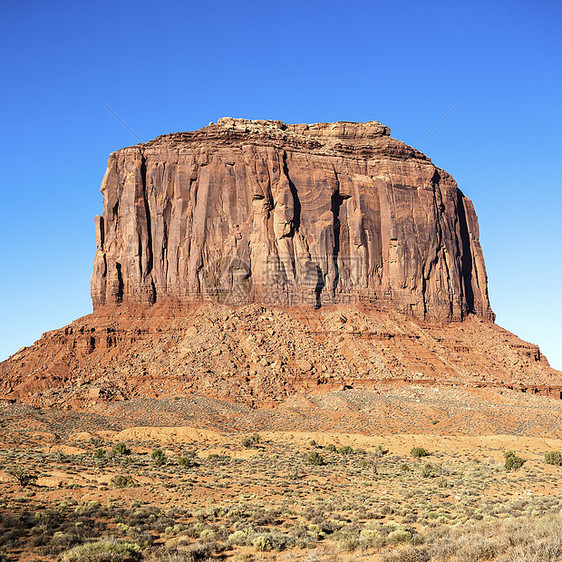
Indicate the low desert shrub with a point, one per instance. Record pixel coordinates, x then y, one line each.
418 452
544 550
406 554
158 457
315 459
553 457
187 460
251 441
63 541
121 449
272 541
197 552
200 551
350 536
122 481
345 450
428 470
99 454
398 536
242 537
369 538
512 461
24 477
331 448
103 551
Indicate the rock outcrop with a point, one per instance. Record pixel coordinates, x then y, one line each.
205 234
261 211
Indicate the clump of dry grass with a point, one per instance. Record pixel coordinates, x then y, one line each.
538 540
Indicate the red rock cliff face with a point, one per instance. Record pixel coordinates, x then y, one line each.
262 211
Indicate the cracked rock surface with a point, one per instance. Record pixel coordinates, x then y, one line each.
261 211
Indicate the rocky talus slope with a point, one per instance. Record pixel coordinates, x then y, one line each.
251 261
259 355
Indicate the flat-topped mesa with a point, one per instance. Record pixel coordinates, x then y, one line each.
264 211
369 139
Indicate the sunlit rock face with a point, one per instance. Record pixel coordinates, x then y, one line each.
261 211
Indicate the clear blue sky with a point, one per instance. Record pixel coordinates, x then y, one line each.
175 66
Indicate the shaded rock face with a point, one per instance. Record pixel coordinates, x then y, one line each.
261 211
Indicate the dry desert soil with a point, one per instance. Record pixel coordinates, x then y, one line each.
319 477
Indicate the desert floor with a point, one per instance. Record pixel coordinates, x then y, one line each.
204 493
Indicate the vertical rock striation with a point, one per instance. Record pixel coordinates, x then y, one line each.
261 211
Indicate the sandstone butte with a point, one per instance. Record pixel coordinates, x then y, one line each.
266 212
252 260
